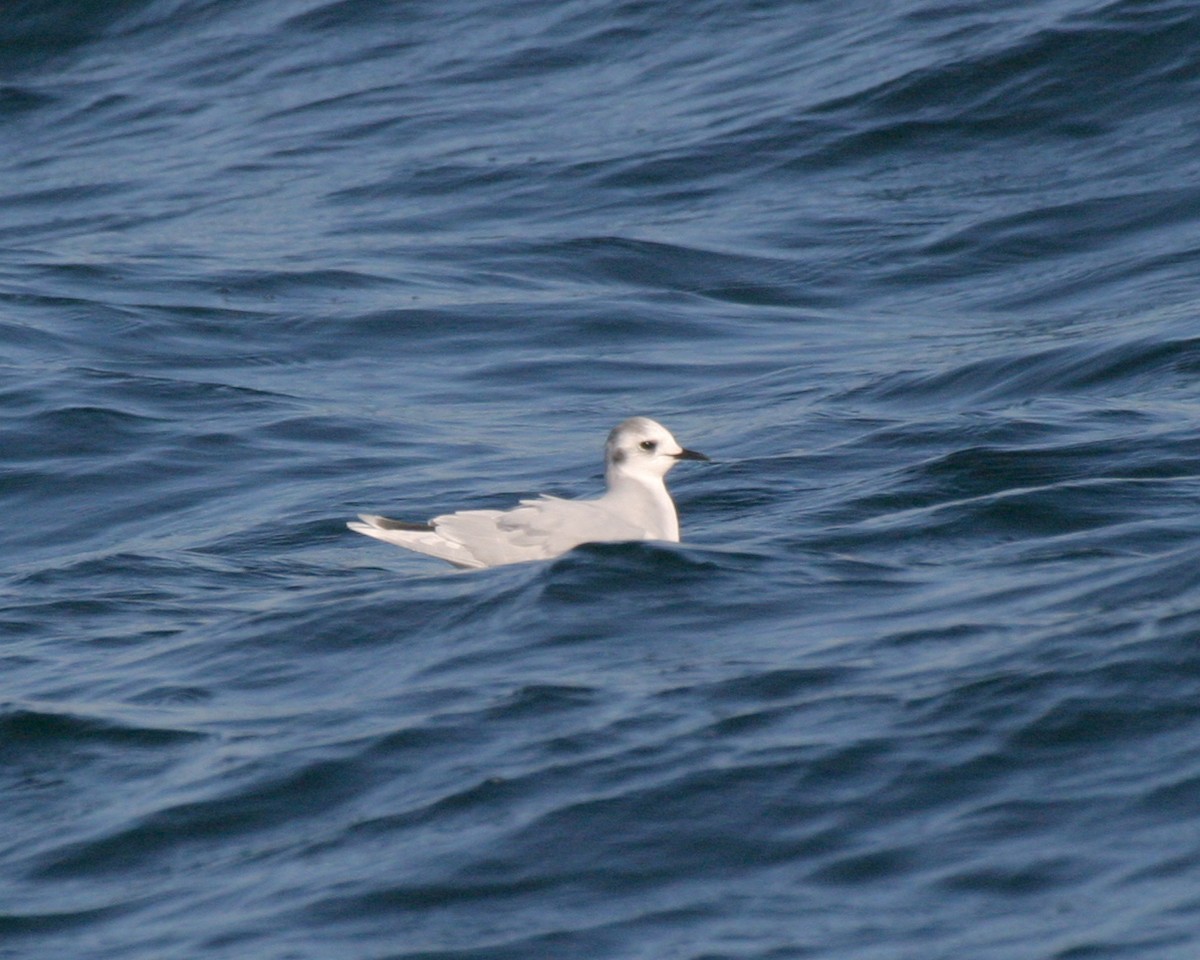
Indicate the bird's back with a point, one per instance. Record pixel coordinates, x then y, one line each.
534 530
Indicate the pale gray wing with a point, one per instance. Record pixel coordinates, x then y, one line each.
535 530
481 534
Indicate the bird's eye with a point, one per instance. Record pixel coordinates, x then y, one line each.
648 444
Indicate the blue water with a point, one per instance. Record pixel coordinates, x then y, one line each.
923 679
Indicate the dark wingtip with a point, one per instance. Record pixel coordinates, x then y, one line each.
383 523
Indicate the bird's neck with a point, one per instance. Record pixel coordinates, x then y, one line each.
648 497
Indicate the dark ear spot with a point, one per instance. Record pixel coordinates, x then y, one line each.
619 456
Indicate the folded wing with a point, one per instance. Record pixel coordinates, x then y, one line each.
535 530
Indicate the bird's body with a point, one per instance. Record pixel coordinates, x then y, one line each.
636 506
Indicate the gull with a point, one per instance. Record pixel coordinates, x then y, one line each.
636 506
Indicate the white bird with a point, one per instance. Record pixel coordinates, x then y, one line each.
636 506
